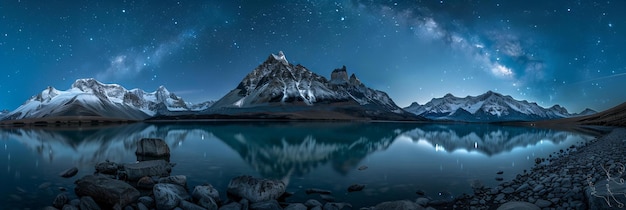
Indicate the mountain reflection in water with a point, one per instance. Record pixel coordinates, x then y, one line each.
401 157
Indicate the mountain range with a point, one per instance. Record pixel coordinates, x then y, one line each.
276 89
488 107
92 99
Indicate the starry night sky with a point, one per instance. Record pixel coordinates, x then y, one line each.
553 52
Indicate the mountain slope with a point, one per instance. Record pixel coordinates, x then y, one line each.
90 98
279 89
615 116
488 107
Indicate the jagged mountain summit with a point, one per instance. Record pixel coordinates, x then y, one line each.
283 90
91 98
488 107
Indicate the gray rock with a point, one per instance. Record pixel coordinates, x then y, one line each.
599 196
296 206
499 198
70 172
141 206
146 200
75 202
508 190
312 203
69 207
355 187
317 191
317 208
178 179
206 191
60 200
327 198
207 202
398 205
266 205
422 201
538 188
107 168
256 190
134 171
50 208
148 148
522 187
145 182
231 206
336 206
87 203
168 196
106 190
186 205
517 205
541 203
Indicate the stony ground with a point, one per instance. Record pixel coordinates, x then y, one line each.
559 181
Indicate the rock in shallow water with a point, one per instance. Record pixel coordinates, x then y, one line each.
206 193
107 168
256 190
70 172
106 190
150 149
355 187
134 171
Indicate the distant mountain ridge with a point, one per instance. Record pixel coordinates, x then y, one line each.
488 107
91 98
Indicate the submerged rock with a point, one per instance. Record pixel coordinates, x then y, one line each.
318 191
134 171
106 190
87 203
70 172
355 187
60 200
256 190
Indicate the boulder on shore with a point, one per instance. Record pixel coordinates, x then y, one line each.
105 190
160 168
255 190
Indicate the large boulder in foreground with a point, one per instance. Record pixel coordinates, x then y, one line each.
168 196
105 190
599 197
152 149
160 168
255 190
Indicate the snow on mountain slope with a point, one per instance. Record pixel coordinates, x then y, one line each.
89 97
488 107
277 83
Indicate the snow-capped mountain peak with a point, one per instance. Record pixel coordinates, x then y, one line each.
281 57
275 83
89 97
487 107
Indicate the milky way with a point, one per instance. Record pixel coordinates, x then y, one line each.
552 52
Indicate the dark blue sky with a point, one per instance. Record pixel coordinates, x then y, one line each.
552 52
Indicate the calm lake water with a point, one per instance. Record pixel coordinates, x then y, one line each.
442 160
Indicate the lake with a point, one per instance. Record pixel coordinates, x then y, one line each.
440 160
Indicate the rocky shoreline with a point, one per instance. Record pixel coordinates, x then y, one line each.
572 179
